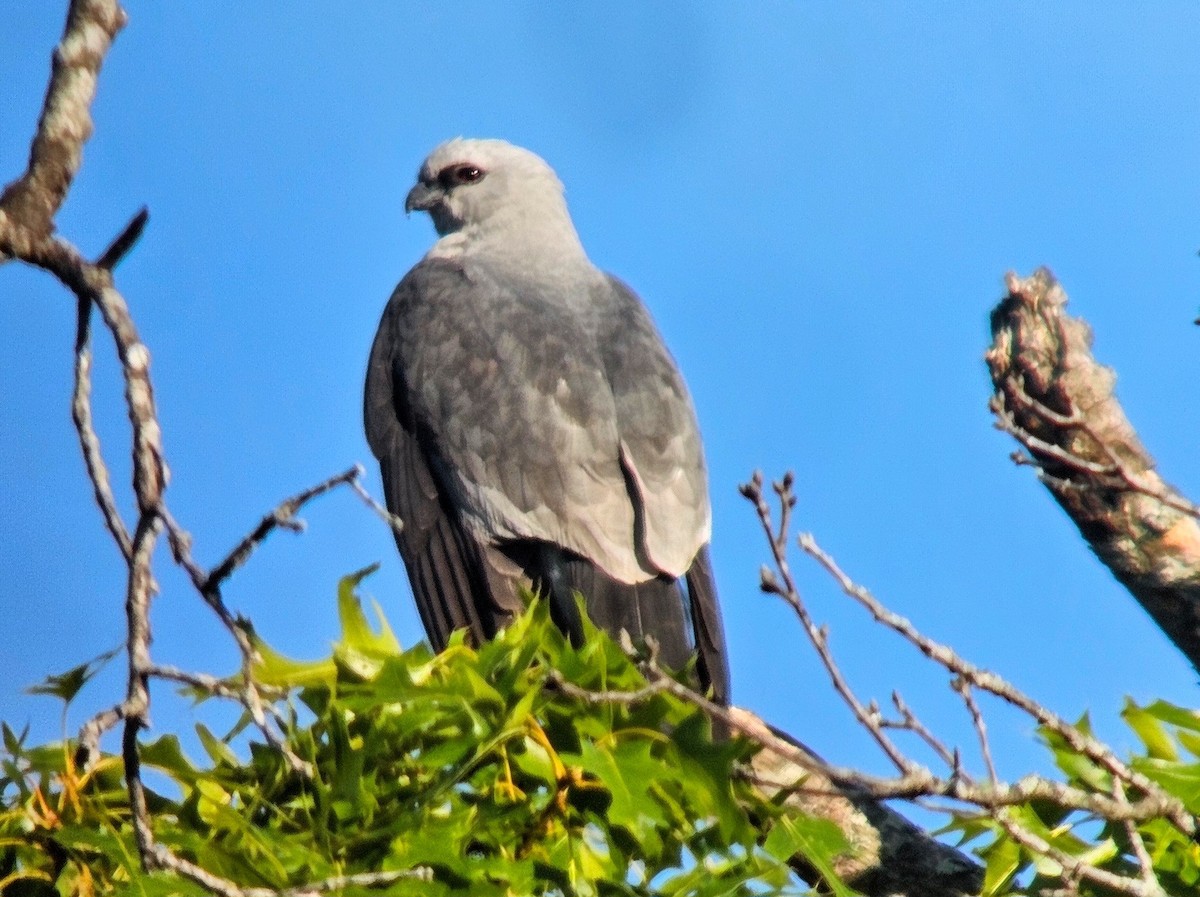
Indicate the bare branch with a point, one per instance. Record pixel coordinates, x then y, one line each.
625 698
889 854
1136 843
165 859
208 584
963 688
88 750
383 513
89 442
209 684
124 241
65 124
990 682
910 722
1074 868
785 587
284 515
135 708
1059 403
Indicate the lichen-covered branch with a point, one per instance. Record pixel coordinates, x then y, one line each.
56 151
1058 402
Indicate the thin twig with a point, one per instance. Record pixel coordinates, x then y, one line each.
963 688
785 587
124 241
1114 472
910 722
284 515
625 698
1073 867
383 513
1136 842
918 783
89 442
990 682
209 684
165 859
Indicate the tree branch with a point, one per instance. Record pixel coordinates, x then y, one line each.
1058 402
65 124
992 797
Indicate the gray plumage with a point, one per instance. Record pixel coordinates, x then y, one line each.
531 426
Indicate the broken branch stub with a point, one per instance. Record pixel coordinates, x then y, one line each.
1059 403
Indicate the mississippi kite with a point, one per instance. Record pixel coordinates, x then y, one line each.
531 426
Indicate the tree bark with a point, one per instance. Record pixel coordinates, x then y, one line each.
1058 402
889 856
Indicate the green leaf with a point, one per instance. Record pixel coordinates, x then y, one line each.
357 633
1003 860
166 755
67 685
465 763
627 771
1077 767
273 668
1182 780
1175 715
1190 742
1151 731
817 840
217 750
12 742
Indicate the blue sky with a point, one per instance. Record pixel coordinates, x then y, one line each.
817 201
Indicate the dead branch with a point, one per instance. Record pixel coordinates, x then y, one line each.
1058 402
28 206
992 797
987 681
889 855
284 515
56 151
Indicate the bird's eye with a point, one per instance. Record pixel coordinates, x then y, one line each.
453 175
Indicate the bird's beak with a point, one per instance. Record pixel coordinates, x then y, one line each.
422 198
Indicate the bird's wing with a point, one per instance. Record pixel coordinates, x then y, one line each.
712 661
513 419
447 567
660 439
661 449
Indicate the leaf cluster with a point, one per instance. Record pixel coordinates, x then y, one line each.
1170 757
472 769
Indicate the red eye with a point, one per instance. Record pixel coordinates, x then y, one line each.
453 175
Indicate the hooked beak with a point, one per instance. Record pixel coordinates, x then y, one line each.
422 197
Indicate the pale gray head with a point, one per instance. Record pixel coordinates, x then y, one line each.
492 187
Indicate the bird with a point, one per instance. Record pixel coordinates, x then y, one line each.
531 427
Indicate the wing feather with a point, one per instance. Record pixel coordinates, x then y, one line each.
508 395
660 438
509 415
712 663
441 557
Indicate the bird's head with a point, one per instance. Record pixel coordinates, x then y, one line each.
471 182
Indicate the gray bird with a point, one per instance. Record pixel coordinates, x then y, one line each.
531 426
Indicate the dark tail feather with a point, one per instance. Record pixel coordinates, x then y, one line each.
655 607
712 663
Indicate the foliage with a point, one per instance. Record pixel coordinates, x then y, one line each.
474 767
1170 737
